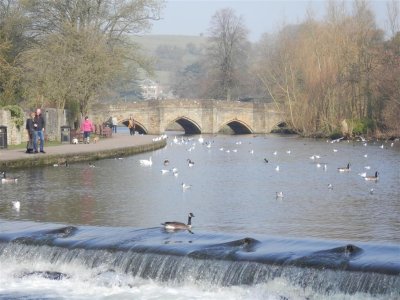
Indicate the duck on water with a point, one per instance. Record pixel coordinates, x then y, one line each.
179 225
372 178
6 179
345 169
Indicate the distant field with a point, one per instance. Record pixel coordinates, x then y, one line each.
151 42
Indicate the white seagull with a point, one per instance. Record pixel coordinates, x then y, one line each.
201 140
185 186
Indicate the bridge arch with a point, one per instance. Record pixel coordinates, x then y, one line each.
282 127
139 127
238 127
188 125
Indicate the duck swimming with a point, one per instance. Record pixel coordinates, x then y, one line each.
345 169
179 225
190 163
185 186
65 164
146 162
6 179
372 178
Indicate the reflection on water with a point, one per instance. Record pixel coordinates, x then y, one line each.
233 189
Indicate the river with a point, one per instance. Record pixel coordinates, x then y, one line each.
93 230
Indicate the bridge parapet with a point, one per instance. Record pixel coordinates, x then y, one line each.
195 116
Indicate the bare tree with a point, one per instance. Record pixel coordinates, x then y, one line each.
393 12
227 50
325 73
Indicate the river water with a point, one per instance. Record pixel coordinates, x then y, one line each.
93 231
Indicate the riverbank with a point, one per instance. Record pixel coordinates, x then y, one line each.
118 145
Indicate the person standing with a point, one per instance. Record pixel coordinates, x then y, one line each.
131 126
29 128
38 131
114 122
87 128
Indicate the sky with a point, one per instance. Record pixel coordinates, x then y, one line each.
192 17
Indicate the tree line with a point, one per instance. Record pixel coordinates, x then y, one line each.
339 75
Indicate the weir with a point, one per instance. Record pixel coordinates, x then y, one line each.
181 257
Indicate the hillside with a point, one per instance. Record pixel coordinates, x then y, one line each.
171 53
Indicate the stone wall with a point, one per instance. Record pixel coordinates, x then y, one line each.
14 134
55 118
205 116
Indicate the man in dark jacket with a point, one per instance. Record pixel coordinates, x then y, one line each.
38 132
29 127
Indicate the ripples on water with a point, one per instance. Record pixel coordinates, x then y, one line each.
233 192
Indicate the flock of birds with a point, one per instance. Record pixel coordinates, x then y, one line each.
279 195
190 164
191 144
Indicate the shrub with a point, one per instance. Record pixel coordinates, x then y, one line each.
362 126
17 115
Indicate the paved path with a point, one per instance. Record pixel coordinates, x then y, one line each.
119 144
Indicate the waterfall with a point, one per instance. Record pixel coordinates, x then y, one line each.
186 269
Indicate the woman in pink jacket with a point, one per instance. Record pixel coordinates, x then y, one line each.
87 128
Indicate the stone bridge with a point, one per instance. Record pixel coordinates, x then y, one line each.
195 116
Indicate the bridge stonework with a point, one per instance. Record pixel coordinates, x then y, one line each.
195 116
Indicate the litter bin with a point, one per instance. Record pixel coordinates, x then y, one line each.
3 137
65 134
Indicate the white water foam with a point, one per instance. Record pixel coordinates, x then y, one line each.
25 280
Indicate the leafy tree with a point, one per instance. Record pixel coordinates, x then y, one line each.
82 48
13 40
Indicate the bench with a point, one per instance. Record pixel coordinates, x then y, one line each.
106 131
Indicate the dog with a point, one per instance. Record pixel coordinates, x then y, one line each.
75 141
95 139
